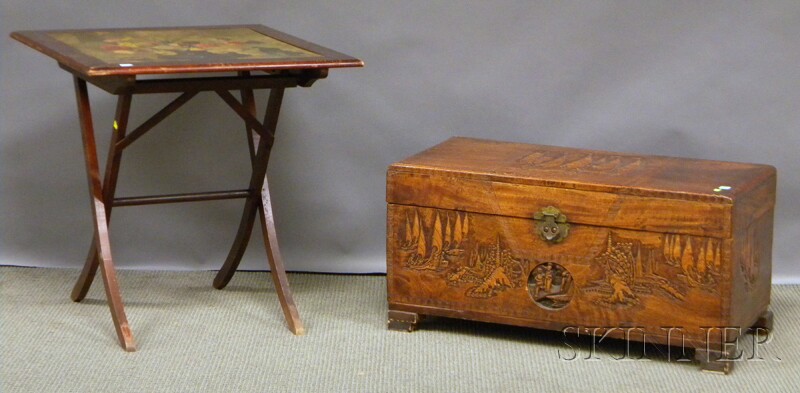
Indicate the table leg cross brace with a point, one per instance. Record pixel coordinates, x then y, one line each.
260 136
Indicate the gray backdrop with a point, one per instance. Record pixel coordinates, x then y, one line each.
715 80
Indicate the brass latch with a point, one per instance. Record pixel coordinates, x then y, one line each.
551 224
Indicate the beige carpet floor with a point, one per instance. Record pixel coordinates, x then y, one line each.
193 338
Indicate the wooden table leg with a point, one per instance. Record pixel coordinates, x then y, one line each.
109 187
249 214
260 203
100 212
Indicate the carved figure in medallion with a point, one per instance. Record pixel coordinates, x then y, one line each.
550 286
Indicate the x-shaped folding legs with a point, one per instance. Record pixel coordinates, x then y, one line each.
260 136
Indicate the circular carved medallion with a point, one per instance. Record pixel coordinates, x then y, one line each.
550 286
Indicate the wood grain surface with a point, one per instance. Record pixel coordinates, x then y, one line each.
650 243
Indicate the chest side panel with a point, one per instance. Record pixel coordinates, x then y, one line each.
496 269
752 253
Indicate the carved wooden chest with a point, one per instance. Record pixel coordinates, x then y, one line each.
655 249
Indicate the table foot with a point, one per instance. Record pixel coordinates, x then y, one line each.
124 333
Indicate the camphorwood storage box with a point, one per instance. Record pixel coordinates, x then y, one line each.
656 249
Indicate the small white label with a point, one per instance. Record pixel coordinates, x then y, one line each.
724 187
125 65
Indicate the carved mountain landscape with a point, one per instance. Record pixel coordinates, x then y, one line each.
493 267
434 247
486 270
628 269
621 274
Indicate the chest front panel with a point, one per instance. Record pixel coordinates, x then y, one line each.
498 268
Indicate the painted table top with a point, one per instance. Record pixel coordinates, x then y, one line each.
100 52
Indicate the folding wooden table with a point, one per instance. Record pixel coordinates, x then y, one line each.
241 58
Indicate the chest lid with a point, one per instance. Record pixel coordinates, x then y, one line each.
652 193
